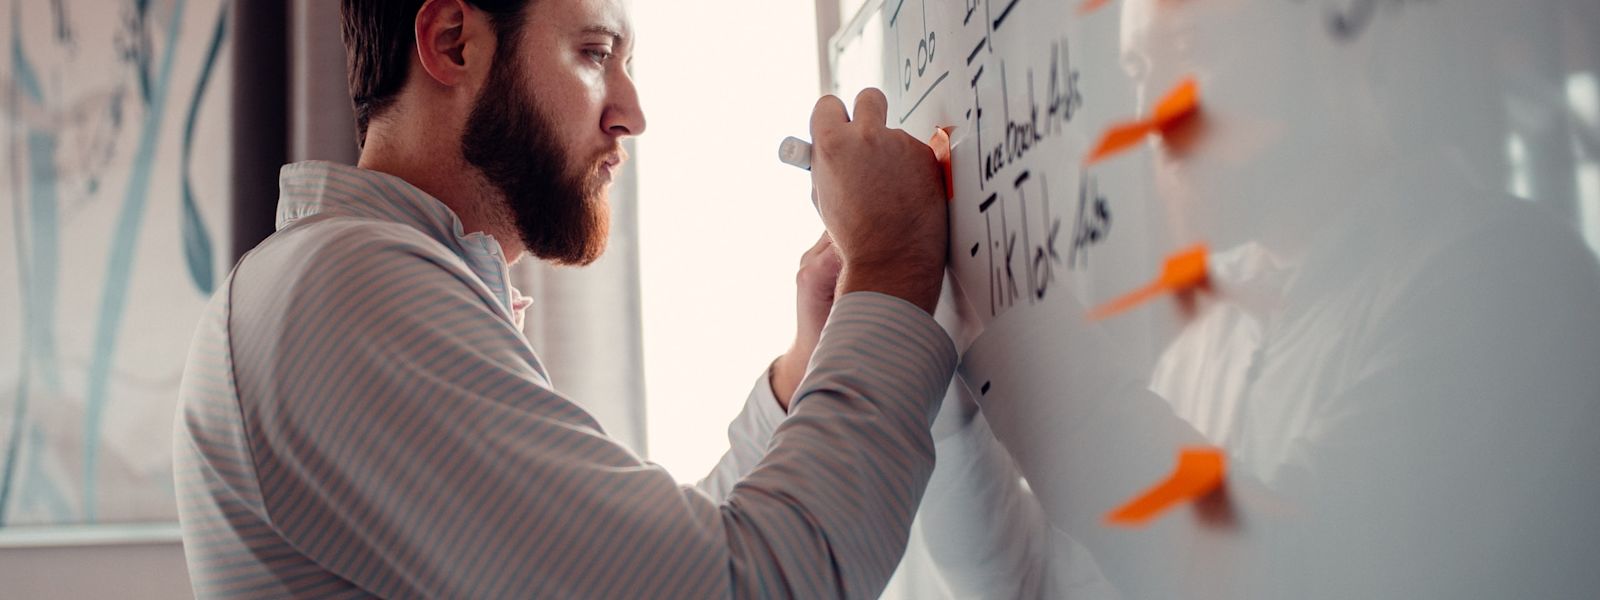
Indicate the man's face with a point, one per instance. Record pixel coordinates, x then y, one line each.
547 127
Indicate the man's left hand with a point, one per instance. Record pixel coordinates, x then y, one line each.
815 283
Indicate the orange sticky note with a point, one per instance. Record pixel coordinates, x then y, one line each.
1183 271
1200 470
1178 104
1090 6
941 151
1181 102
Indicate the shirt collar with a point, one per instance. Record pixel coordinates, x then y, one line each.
317 187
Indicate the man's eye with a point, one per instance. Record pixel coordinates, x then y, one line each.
598 55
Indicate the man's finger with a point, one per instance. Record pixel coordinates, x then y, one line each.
817 248
827 114
872 107
830 256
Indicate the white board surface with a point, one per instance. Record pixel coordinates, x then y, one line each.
1399 347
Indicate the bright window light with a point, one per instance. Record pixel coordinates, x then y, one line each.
1589 203
722 222
1583 93
1520 183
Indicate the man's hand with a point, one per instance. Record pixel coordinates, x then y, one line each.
815 283
881 195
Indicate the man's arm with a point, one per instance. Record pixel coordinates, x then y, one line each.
417 454
887 235
412 450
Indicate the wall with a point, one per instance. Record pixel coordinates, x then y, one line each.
143 565
278 116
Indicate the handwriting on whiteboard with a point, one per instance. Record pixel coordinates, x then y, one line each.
1024 214
1022 133
916 48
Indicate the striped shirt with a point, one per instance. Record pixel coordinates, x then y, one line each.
361 416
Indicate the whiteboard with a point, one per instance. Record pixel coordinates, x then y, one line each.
1398 346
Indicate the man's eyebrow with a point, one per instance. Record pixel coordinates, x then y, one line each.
605 30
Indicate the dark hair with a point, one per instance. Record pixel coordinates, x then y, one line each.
379 38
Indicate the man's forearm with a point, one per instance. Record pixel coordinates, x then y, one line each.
848 467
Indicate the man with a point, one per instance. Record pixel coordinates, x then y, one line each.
362 415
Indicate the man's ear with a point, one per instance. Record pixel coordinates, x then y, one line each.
452 38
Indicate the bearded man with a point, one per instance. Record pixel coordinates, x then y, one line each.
362 415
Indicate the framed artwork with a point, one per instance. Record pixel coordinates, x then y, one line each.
113 235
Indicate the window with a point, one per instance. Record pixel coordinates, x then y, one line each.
722 223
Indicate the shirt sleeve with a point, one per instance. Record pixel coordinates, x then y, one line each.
404 441
748 437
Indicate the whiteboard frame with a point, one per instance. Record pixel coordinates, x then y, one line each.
73 536
840 40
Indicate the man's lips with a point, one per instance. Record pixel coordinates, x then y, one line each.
612 162
616 158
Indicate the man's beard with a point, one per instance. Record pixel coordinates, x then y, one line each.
559 208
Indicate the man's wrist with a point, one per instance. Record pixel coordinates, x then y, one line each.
902 283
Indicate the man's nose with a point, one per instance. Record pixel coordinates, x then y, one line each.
624 117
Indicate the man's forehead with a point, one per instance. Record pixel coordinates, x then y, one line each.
609 17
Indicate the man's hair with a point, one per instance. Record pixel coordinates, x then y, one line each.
379 38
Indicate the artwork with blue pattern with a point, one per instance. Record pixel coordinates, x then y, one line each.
113 232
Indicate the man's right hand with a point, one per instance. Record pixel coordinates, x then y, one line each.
881 195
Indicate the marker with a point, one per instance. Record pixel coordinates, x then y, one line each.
795 151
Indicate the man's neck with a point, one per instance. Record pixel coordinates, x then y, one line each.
443 174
